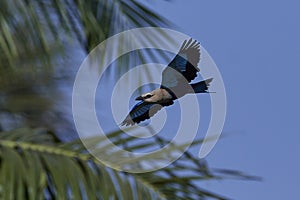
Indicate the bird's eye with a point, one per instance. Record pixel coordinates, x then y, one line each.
148 96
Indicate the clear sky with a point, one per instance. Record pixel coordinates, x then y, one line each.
256 46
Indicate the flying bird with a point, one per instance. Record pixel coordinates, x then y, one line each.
176 79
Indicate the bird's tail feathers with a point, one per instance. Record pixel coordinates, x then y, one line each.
202 86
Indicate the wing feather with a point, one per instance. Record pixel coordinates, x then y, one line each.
185 62
142 111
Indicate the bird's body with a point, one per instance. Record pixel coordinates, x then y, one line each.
175 84
158 95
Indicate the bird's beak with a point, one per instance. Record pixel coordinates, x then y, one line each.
139 98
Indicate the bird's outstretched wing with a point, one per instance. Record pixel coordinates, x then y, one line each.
185 62
142 111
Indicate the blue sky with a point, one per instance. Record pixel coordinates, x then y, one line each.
256 46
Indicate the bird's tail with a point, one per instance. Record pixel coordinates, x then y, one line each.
202 86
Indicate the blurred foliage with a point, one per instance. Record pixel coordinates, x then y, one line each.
34 164
35 37
32 30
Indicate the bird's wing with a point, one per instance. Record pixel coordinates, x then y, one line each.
142 111
185 62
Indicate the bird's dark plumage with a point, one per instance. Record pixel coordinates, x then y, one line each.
202 86
175 84
142 111
184 65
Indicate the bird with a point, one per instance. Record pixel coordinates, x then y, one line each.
176 78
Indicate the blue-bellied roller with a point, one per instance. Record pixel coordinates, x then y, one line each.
176 79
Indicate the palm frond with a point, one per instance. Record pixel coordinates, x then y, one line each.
31 27
35 36
34 164
33 167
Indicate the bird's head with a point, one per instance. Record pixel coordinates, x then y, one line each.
145 97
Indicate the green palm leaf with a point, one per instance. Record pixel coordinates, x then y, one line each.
36 35
35 165
40 27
